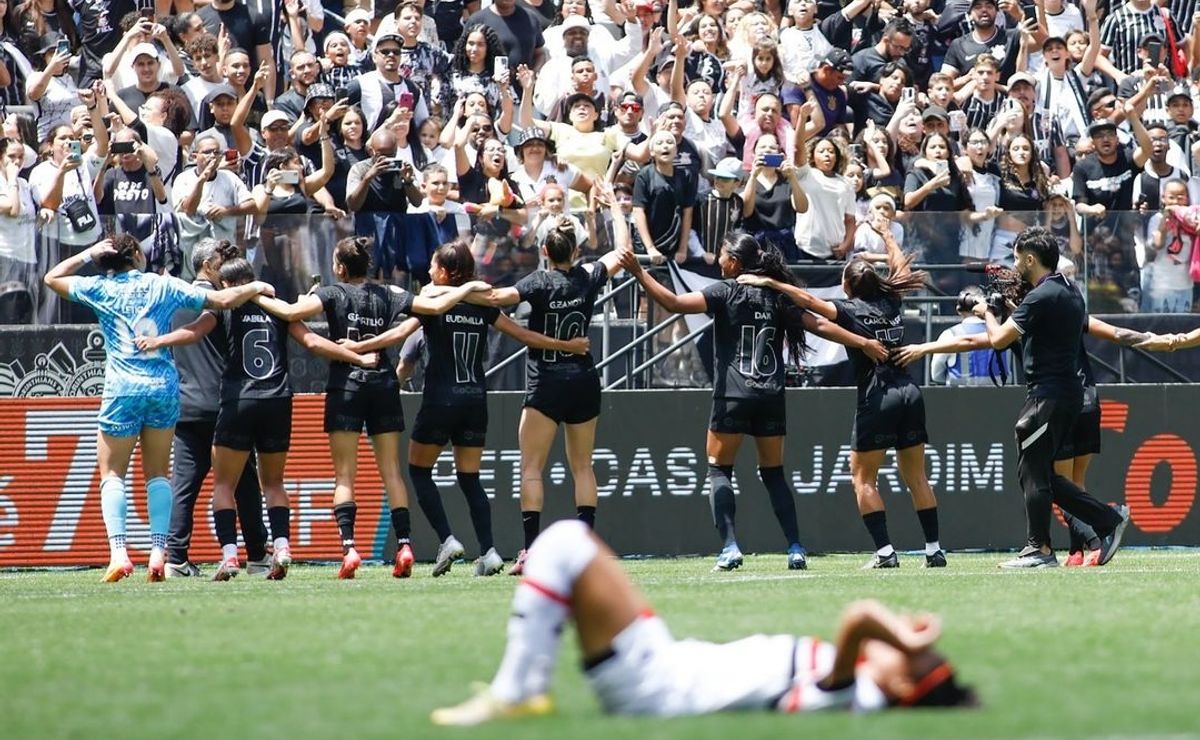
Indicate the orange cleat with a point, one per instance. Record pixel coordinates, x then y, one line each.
404 562
518 567
1092 560
1074 560
117 570
158 567
350 563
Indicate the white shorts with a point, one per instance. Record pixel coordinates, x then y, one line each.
652 673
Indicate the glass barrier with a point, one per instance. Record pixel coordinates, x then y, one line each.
1113 257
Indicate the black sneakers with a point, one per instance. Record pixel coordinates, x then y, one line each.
1111 542
936 560
1031 557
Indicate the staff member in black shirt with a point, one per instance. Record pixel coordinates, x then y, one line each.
1049 324
751 324
454 405
361 397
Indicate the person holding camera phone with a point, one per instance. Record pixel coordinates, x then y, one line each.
209 197
50 88
135 196
379 191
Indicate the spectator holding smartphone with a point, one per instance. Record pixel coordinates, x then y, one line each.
134 194
379 190
49 87
208 197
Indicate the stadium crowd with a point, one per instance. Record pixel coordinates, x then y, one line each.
815 126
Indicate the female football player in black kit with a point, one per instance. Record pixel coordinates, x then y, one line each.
561 388
256 410
454 403
891 411
751 327
356 397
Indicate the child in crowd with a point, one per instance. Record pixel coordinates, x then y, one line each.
721 209
449 217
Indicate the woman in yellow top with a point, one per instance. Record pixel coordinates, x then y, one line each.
579 143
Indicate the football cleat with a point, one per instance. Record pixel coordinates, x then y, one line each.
797 558
878 561
1112 542
489 564
731 558
185 569
1092 559
483 707
117 570
157 568
259 568
936 560
404 562
280 562
519 564
350 563
1030 557
228 569
447 553
1075 559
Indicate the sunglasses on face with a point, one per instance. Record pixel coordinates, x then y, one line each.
388 52
630 106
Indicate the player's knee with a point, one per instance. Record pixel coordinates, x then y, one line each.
560 554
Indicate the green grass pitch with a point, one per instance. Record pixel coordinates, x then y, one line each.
1112 652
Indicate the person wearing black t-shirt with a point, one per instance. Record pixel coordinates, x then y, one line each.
751 325
1049 324
891 410
454 406
255 412
357 397
561 388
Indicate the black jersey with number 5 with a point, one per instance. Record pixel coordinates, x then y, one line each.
748 337
256 357
456 343
358 312
562 303
882 320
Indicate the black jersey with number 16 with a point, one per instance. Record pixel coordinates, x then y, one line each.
562 303
457 344
256 364
748 337
360 312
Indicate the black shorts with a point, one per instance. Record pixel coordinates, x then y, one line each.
1084 437
262 424
758 417
567 402
463 425
378 409
890 417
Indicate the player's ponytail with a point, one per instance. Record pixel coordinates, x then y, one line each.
226 250
354 255
560 243
237 271
863 281
127 249
456 259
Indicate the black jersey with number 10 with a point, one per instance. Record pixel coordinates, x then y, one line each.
256 354
562 303
358 312
456 343
748 336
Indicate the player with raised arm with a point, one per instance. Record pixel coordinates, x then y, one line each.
561 388
454 402
752 325
358 397
256 410
141 389
890 411
879 659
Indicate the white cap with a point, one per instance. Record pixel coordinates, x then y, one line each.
144 49
575 21
358 14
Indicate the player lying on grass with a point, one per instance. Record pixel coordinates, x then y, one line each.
878 660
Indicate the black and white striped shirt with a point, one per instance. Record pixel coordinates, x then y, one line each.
1125 27
716 217
254 165
981 112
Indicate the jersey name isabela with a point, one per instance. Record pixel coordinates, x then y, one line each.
256 354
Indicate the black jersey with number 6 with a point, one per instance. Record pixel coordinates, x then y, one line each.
562 303
457 343
358 312
256 357
748 336
880 319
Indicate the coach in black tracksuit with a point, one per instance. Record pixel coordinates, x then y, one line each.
1049 324
200 368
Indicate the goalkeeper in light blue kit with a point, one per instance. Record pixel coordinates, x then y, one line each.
141 389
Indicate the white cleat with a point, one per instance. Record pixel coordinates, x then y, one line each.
447 553
489 564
